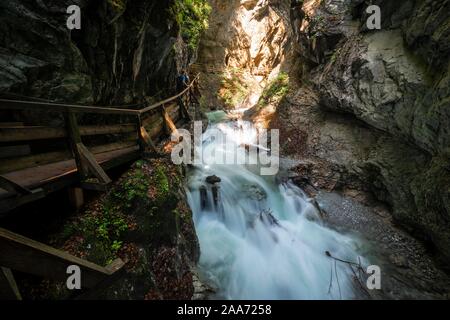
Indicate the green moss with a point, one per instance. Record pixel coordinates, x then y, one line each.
101 232
234 89
192 17
275 90
134 187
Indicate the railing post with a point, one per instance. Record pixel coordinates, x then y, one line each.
73 133
8 285
84 159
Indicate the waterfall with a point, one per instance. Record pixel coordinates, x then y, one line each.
261 239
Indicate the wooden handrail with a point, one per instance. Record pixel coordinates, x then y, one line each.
59 107
161 103
29 256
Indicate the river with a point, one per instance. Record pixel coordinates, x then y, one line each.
263 238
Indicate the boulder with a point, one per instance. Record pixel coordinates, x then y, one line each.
213 179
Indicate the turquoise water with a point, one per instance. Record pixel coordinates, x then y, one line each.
263 239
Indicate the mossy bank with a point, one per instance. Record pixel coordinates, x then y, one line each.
144 220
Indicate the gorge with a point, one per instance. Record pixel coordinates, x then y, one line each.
364 135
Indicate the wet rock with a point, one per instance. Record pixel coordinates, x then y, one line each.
408 268
376 117
216 194
254 192
267 218
125 50
203 197
213 179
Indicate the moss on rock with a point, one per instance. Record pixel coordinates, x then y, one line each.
143 217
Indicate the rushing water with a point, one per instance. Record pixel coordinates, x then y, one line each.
263 239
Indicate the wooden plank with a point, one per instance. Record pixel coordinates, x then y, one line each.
15 164
13 187
14 151
107 129
113 146
11 124
29 256
58 107
12 134
55 176
90 162
8 285
149 120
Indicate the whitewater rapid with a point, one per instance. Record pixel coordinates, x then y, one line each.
263 239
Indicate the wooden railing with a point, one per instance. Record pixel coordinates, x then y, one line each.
28 256
18 154
130 130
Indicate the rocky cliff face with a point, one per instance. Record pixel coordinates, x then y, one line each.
373 108
245 46
125 50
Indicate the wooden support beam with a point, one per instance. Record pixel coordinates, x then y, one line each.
29 256
89 162
95 186
9 204
8 285
75 140
147 141
76 197
169 126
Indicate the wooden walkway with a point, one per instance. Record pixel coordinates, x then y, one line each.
38 159
28 174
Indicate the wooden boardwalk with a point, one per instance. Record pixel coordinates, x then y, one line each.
28 174
38 159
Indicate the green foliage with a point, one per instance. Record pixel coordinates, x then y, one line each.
192 17
134 187
234 89
103 233
161 184
118 5
275 90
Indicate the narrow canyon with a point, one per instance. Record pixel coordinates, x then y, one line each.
363 118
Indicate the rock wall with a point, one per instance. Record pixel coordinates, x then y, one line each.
125 50
373 109
252 36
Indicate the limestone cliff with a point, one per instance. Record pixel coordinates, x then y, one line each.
246 45
373 108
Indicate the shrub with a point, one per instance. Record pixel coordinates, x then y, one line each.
275 90
192 17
